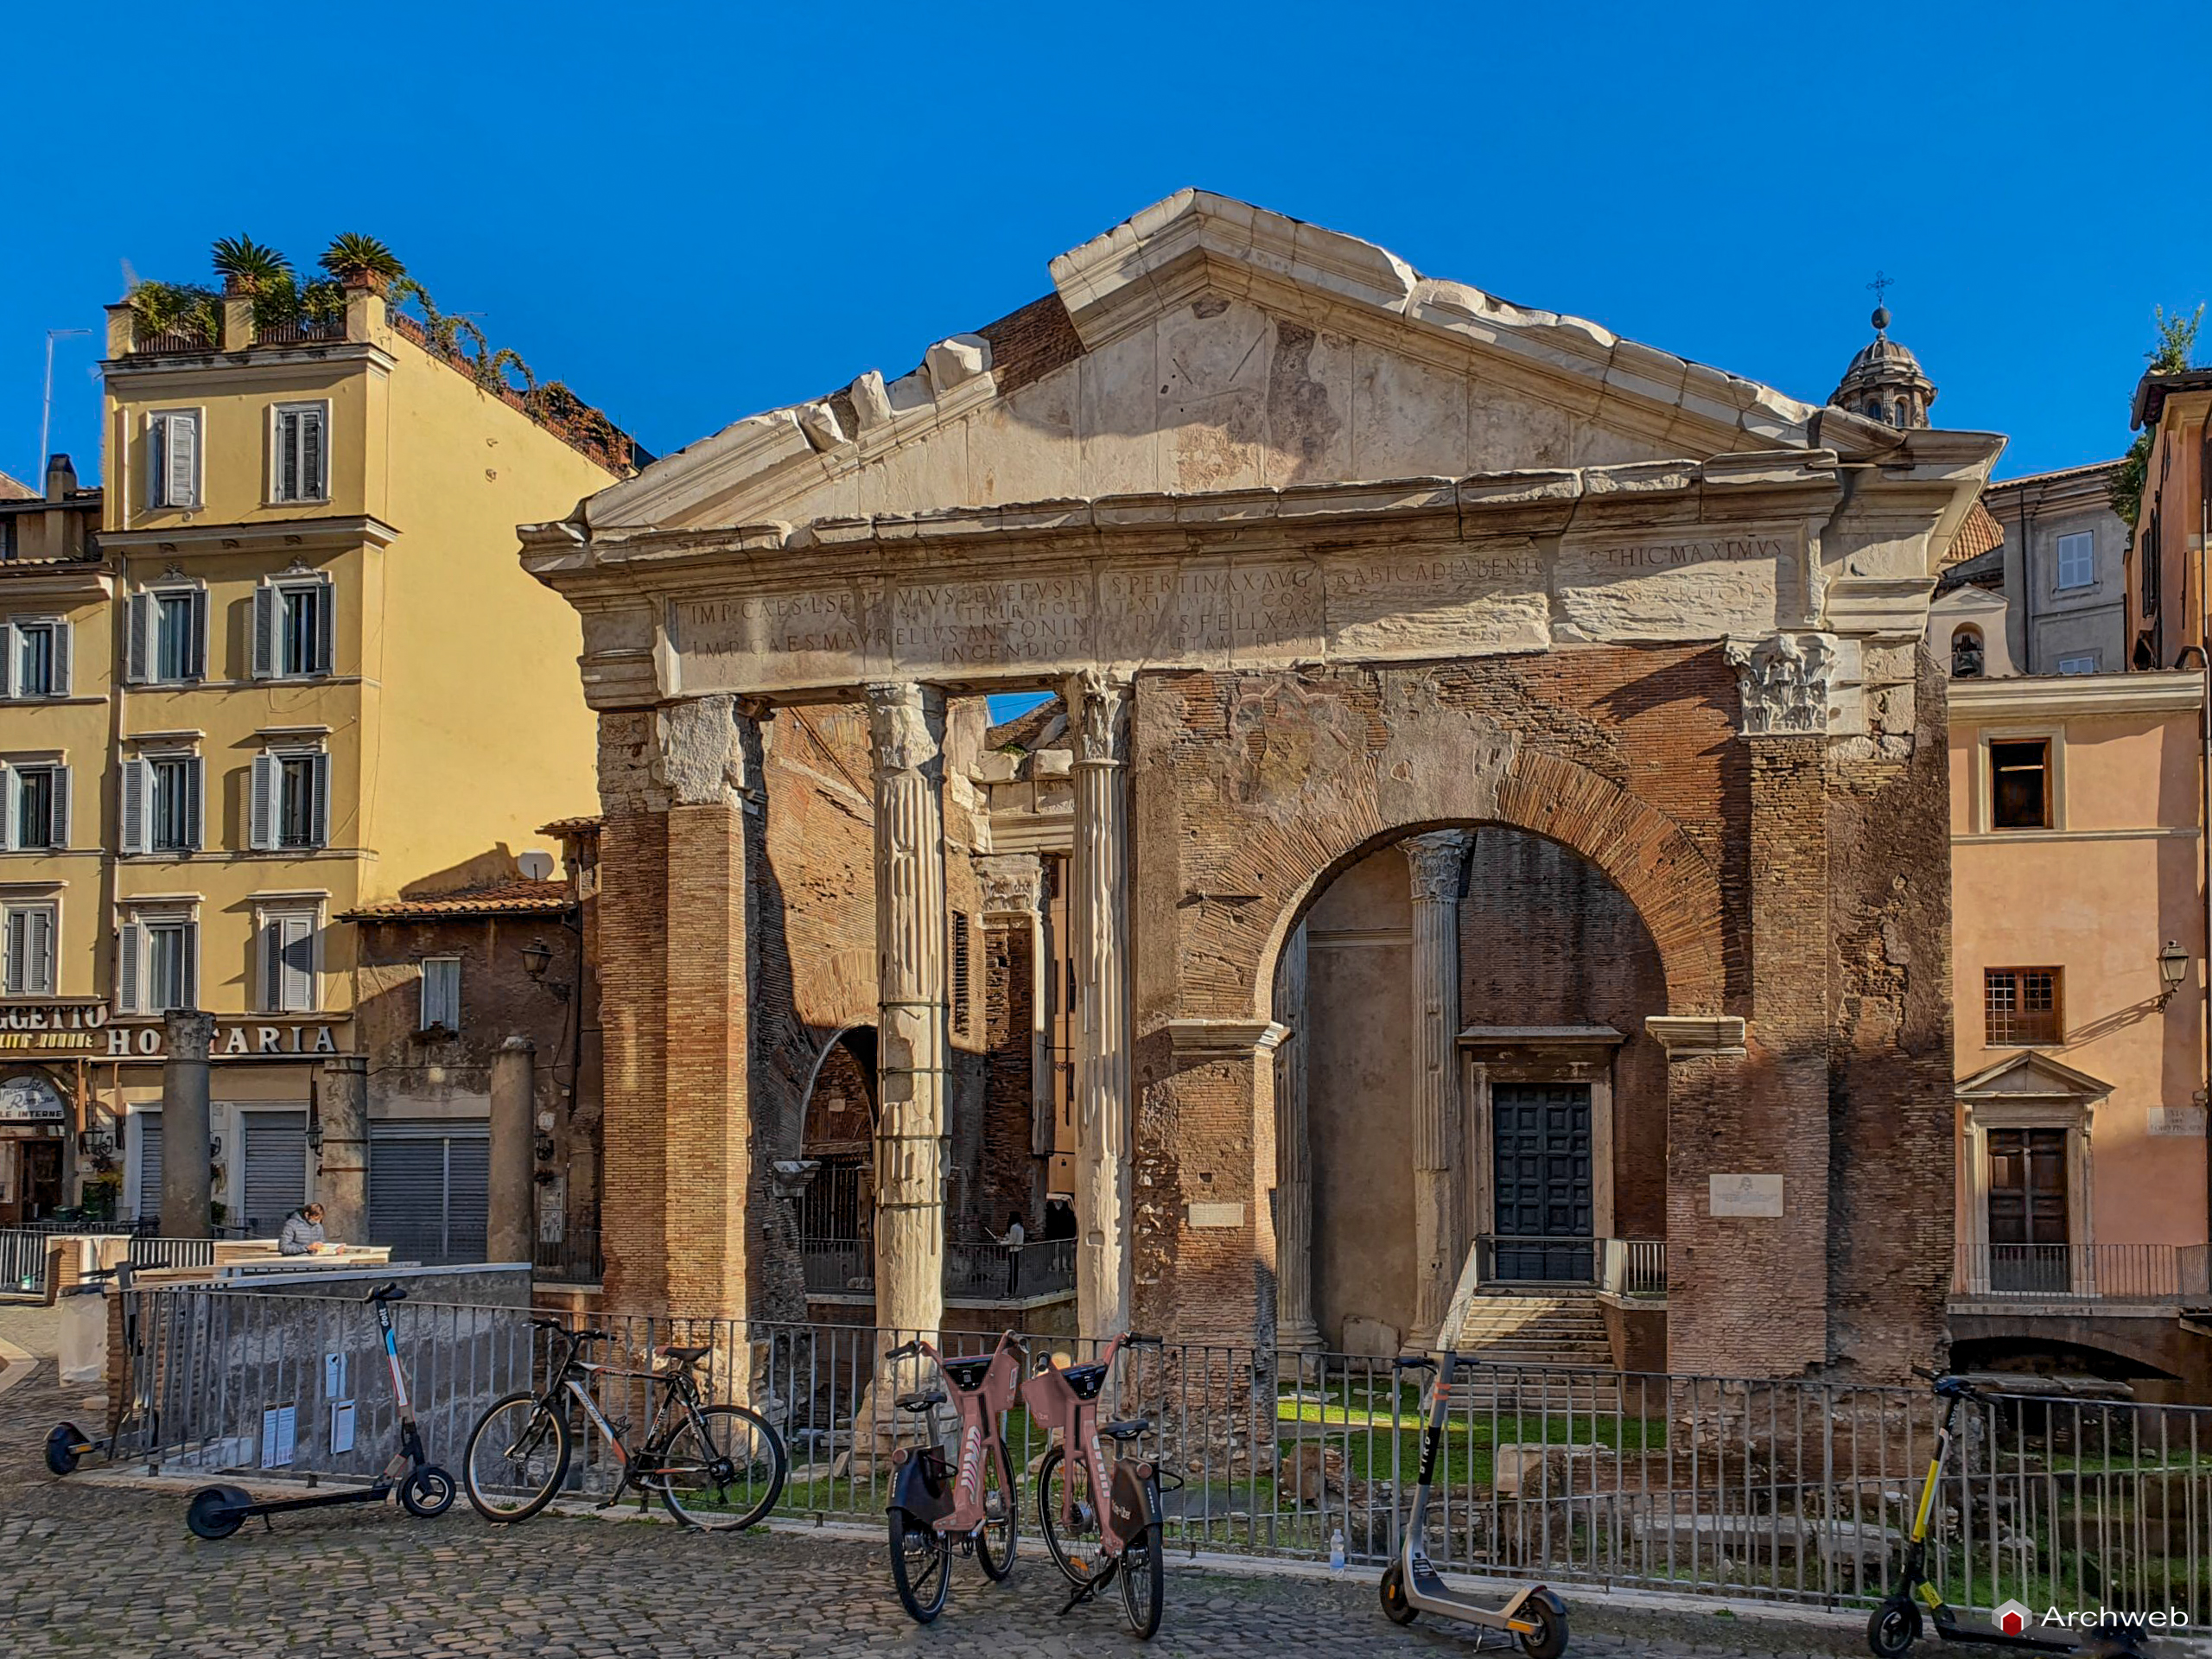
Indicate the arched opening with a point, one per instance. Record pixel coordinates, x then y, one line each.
839 1137
1555 1147
1965 653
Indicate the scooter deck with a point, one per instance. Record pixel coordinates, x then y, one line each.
1427 1591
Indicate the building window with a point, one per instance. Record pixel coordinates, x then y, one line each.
158 963
1966 654
173 459
2019 784
299 450
2078 665
290 805
2077 560
441 994
37 806
2021 1006
2028 1211
161 803
287 965
37 658
9 542
28 931
960 999
295 628
168 636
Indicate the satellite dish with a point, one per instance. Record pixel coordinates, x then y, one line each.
535 866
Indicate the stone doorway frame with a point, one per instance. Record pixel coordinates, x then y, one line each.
1490 1054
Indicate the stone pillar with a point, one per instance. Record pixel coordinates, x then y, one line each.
185 1149
1294 1326
1098 877
341 1181
706 1173
907 724
1436 863
509 1234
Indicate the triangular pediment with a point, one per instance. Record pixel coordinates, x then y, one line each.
2032 1076
1209 346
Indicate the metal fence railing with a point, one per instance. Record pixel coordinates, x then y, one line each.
24 1254
982 1271
1789 1490
2166 1273
1628 1266
571 1259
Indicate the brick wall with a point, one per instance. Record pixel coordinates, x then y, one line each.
1012 1177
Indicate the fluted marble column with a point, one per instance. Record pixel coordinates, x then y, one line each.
1294 1326
1435 861
1099 874
907 723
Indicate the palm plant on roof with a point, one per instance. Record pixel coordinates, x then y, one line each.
354 258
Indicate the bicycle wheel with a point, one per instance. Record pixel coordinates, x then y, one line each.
1144 1582
516 1458
721 1471
921 1565
1073 1544
998 1537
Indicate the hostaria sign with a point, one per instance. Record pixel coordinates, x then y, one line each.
86 1031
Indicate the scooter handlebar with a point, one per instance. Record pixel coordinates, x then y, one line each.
394 1291
1413 1362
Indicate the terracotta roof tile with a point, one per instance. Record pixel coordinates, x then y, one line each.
510 899
576 826
1977 535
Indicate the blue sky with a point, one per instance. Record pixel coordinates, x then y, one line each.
692 213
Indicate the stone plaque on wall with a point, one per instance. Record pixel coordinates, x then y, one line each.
2177 1120
1745 1195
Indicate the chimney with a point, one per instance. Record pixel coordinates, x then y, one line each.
60 478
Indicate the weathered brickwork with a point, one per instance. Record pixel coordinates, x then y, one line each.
1011 1178
1253 790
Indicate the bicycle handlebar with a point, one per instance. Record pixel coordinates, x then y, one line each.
906 1349
1413 1362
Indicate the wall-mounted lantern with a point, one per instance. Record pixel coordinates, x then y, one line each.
2173 967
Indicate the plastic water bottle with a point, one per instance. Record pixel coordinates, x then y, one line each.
1336 1554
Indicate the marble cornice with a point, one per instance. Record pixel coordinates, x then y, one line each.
1522 505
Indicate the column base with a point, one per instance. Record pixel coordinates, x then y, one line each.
1299 1335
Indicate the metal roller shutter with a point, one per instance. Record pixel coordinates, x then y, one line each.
429 1188
275 1168
147 1204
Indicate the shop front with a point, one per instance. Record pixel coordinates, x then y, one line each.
34 1142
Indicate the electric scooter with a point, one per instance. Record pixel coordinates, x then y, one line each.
1895 1625
1411 1586
425 1490
66 1445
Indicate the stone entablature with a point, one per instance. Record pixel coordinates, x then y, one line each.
1409 570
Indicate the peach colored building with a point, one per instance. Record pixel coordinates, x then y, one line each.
2078 939
2166 603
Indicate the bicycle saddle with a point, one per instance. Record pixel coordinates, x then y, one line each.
1126 1430
688 1356
923 1401
1084 1381
967 1373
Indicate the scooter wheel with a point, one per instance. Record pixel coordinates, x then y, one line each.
1548 1614
1893 1628
1395 1607
427 1493
217 1511
61 1448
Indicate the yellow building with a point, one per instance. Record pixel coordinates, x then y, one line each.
301 673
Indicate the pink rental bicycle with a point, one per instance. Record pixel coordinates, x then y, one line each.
1094 1542
931 1505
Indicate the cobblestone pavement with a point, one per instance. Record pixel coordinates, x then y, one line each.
91 1569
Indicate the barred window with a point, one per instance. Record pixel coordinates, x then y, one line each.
960 1004
2022 1005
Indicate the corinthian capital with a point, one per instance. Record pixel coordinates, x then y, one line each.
1435 861
907 723
1098 717
1013 883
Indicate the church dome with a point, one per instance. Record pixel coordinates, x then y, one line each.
1885 382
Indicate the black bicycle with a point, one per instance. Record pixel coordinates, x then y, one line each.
719 1468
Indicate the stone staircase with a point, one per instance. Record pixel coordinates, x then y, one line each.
1536 1326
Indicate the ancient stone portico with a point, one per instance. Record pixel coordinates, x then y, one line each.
1402 638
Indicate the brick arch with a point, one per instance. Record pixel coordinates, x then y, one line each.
1639 849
